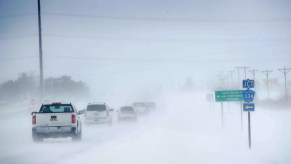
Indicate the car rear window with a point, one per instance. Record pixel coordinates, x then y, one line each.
127 109
59 108
96 107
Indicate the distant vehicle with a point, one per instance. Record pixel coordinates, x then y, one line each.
98 112
127 113
151 105
141 107
56 120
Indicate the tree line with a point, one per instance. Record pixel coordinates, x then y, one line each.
26 87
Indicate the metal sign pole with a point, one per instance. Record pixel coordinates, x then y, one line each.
222 114
249 120
210 109
248 106
241 116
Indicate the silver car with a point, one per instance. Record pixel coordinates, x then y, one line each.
127 113
98 112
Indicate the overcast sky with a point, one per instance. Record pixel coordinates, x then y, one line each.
133 44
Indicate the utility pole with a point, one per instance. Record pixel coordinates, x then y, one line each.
253 71
245 71
267 73
40 53
220 77
231 72
285 71
238 75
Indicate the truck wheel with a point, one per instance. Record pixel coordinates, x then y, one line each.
109 122
77 137
36 137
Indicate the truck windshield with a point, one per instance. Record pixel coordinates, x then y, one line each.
96 107
60 108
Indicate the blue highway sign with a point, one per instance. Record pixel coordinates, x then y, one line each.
249 107
248 95
248 83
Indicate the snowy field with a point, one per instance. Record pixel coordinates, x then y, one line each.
183 130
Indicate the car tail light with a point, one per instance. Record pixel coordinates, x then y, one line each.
33 119
73 118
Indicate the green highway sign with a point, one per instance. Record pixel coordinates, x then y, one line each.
229 95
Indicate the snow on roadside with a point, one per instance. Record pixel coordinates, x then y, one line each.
182 130
187 134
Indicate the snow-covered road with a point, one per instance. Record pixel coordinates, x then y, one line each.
182 130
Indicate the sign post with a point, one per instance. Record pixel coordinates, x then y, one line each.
249 96
222 115
249 129
241 116
210 99
228 95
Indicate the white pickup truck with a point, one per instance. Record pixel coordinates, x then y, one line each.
56 120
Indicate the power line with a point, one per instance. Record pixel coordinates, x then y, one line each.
18 57
141 39
278 39
223 20
18 37
17 15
